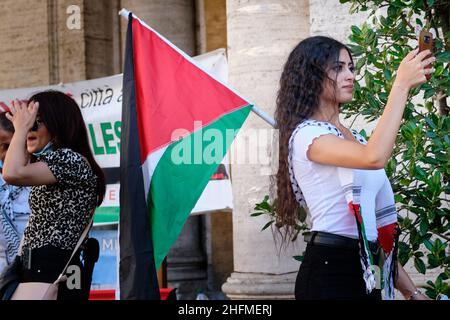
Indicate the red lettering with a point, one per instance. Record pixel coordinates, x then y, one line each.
4 106
112 194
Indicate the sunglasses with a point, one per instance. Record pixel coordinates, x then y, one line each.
36 125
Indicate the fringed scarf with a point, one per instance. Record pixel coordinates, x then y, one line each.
386 216
8 195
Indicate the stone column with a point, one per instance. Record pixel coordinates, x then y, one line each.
261 33
211 28
102 38
67 41
215 24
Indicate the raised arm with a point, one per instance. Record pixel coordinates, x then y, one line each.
17 170
331 150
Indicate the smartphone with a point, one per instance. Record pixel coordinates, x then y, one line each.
426 42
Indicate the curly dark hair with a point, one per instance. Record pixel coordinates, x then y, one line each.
301 86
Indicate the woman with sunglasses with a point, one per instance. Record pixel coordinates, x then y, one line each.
14 209
50 151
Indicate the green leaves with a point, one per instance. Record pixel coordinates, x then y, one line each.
387 74
356 31
420 265
423 230
420 172
404 253
268 224
268 209
265 208
437 287
442 56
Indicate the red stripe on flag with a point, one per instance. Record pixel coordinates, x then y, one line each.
386 236
171 92
356 211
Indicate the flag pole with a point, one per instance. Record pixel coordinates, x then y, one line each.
263 115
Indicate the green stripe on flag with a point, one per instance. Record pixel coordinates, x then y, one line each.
175 188
366 243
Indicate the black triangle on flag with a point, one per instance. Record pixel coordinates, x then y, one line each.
137 272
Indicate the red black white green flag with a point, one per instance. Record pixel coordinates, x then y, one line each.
177 124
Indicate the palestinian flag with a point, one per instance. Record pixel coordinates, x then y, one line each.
177 125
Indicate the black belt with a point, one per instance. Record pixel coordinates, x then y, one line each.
334 240
44 256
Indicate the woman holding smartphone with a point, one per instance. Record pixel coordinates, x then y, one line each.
338 175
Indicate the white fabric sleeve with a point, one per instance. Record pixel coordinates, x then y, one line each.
305 137
385 210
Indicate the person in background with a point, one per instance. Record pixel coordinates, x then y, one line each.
67 183
14 209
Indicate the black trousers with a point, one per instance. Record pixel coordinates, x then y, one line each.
332 273
45 265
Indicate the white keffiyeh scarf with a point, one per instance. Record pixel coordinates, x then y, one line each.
9 195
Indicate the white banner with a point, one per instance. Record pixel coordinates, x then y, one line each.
100 101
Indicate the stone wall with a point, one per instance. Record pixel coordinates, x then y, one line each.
24 43
103 41
174 19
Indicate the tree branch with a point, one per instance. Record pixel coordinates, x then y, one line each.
440 235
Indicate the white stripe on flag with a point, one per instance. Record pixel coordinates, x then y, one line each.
148 167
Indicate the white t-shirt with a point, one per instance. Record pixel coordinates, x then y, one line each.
323 192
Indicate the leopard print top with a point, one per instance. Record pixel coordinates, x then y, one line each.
61 211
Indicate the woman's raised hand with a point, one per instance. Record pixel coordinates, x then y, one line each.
22 115
412 70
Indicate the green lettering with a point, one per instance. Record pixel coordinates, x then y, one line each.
107 137
118 131
97 150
